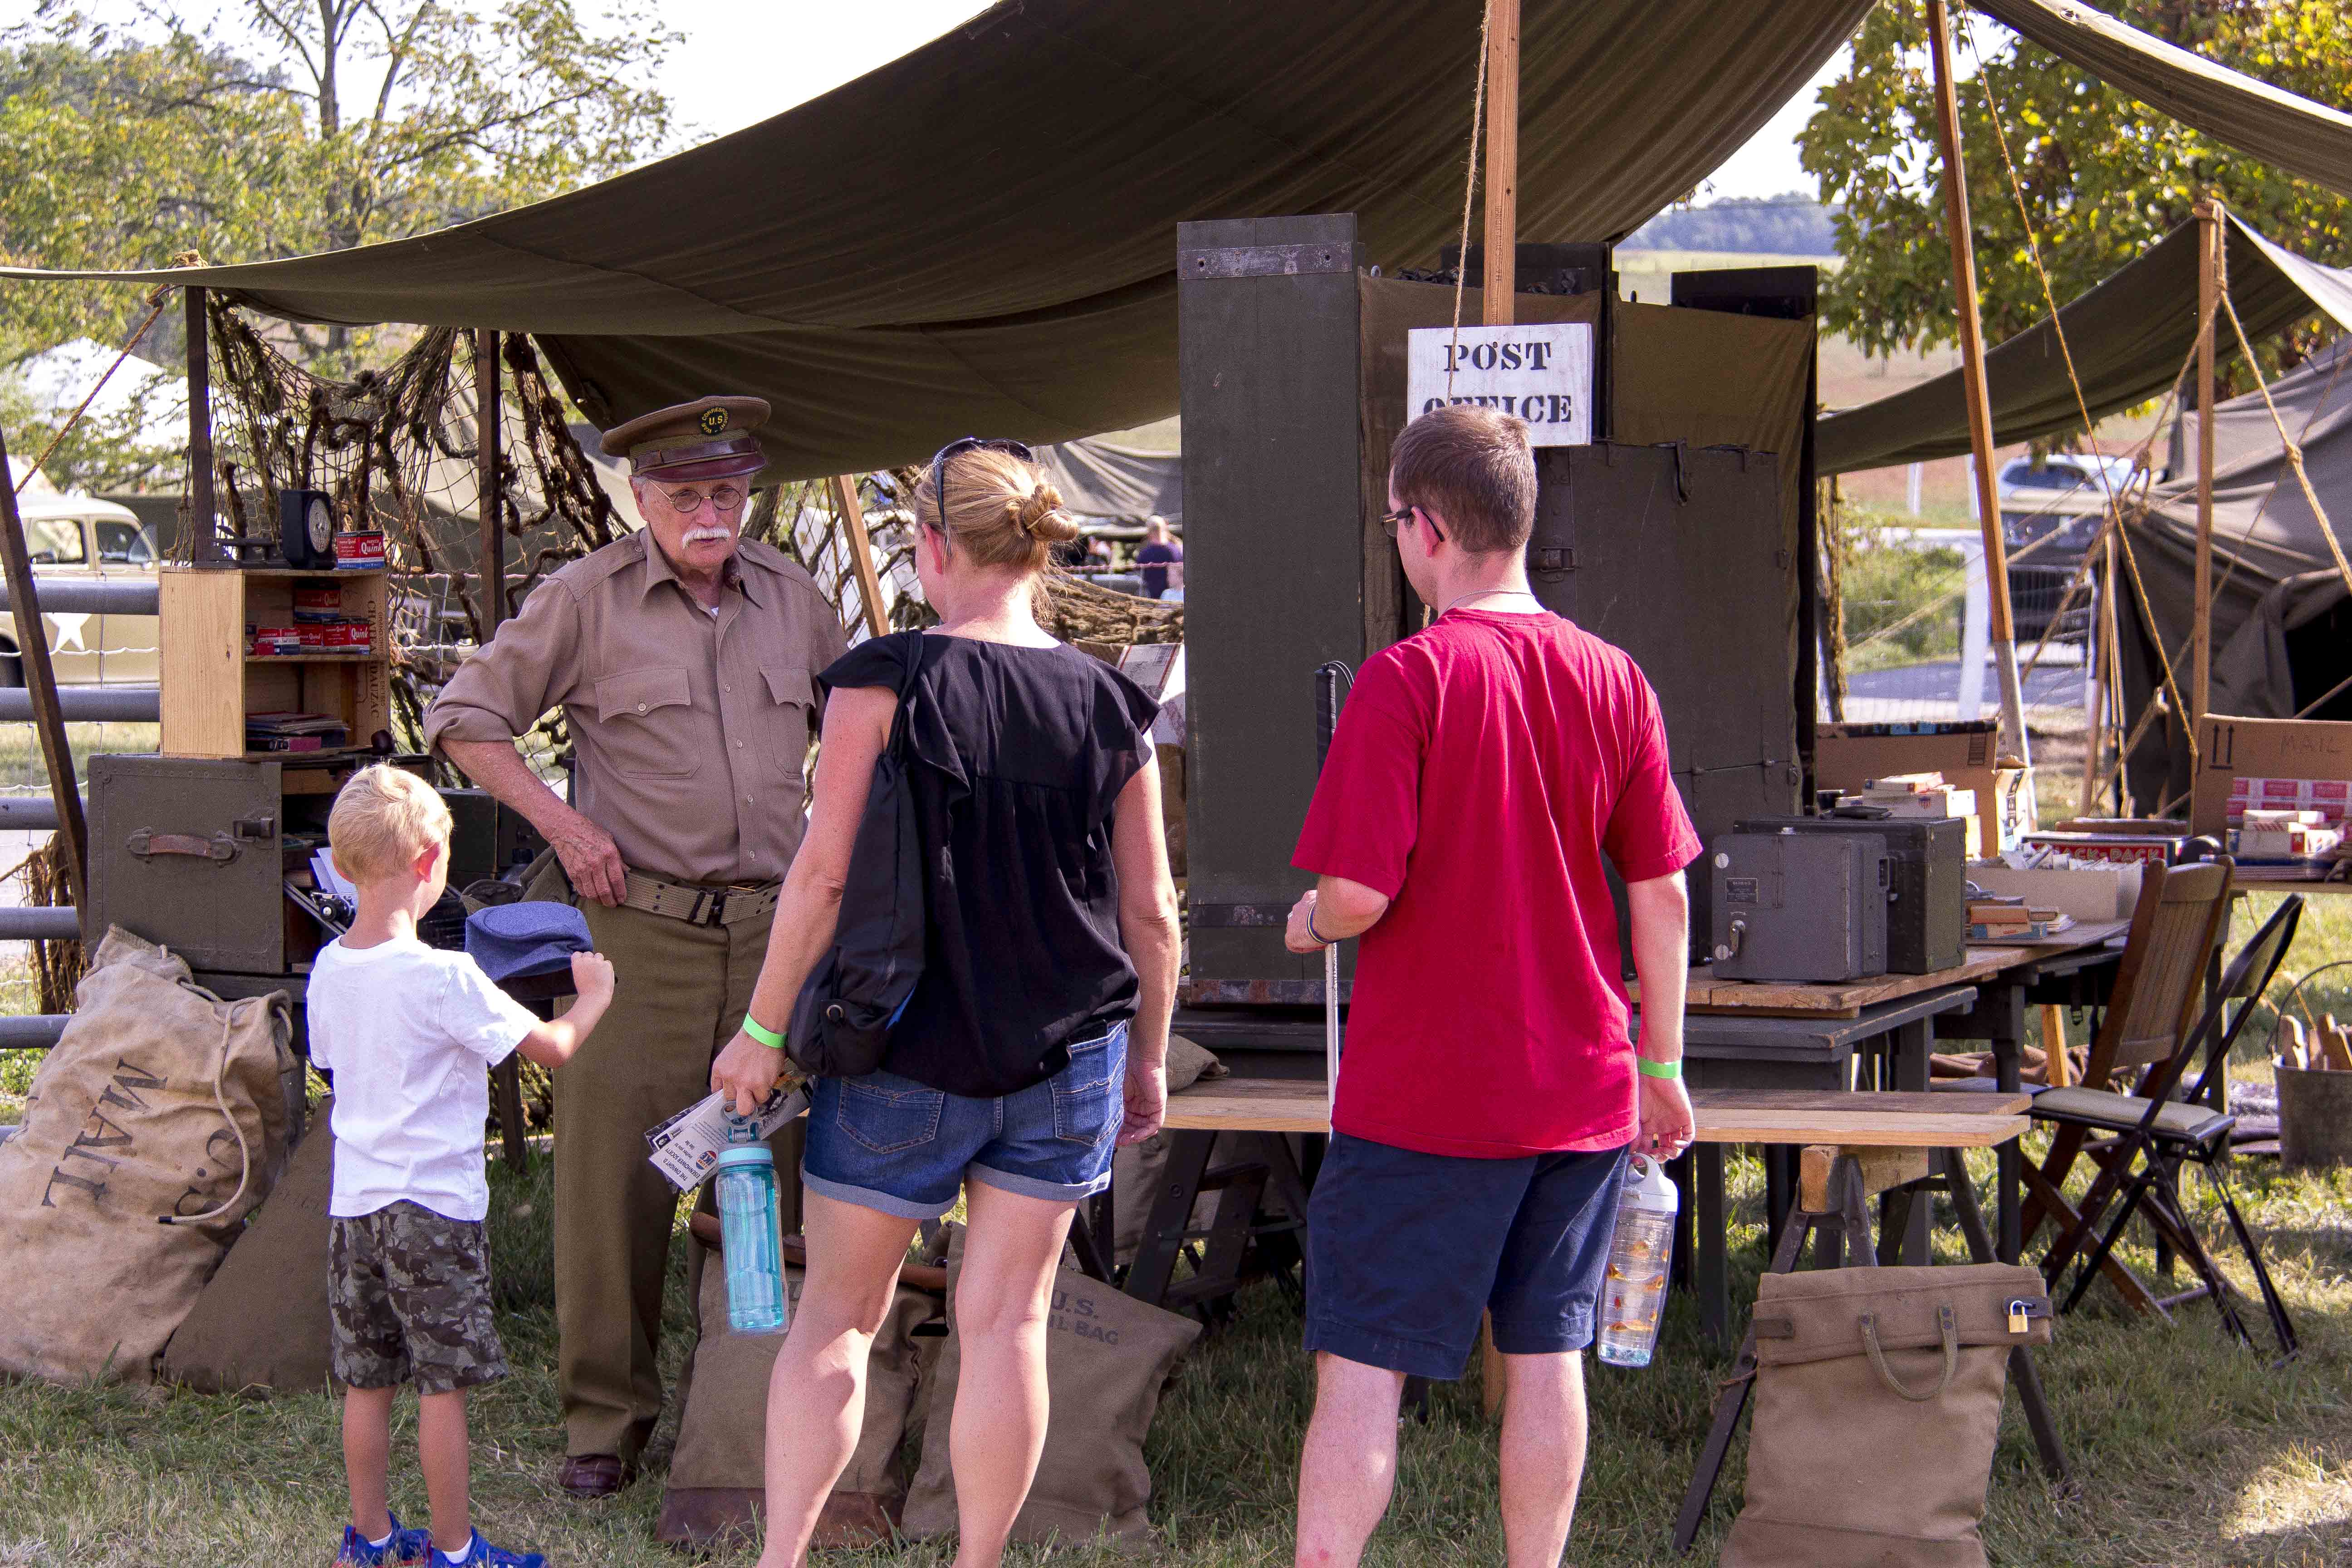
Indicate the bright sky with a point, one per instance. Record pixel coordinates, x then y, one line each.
742 62
724 78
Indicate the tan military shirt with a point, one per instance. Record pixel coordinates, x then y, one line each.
691 731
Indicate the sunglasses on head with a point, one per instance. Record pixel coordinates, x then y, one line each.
957 449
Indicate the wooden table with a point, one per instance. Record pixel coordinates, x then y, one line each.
1263 1110
2075 974
2070 970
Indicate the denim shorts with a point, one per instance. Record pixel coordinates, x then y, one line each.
1404 1250
888 1142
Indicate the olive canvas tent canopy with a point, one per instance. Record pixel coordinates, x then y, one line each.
980 234
2281 617
2129 336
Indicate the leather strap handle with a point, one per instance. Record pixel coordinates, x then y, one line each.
145 842
1947 1328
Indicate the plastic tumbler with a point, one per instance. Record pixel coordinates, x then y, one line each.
748 1231
1633 1294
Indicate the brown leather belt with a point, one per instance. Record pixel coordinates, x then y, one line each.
701 906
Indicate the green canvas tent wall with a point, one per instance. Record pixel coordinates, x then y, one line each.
979 235
2281 617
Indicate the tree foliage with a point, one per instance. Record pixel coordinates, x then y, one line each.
323 124
2103 175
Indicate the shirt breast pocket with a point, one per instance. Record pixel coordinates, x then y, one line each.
784 720
644 725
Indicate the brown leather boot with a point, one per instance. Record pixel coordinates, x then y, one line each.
591 1476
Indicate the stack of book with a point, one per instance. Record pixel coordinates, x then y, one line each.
1999 917
1925 794
286 730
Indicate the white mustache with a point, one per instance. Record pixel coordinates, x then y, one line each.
697 535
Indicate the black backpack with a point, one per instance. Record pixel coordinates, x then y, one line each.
843 1019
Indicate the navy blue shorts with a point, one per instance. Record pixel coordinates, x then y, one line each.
1404 1250
887 1142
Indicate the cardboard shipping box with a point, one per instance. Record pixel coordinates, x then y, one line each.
2093 895
1848 756
2231 749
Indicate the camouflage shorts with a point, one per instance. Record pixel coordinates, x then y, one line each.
408 1292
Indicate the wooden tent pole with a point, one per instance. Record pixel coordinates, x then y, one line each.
2095 648
2209 305
1963 291
489 428
1501 283
205 546
41 686
861 551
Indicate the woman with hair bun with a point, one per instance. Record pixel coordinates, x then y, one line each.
1033 1042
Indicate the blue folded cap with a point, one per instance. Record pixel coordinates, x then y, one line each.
513 941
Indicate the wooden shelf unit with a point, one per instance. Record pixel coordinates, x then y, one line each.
209 682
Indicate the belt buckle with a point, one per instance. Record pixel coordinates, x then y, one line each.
709 907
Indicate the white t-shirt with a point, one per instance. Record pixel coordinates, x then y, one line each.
410 1032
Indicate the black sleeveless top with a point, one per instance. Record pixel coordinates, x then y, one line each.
1023 752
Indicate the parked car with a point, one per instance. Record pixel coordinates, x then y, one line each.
2063 494
75 537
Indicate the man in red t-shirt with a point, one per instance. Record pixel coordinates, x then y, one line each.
1481 772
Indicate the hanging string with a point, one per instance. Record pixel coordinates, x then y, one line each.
2082 404
155 309
1469 194
2293 447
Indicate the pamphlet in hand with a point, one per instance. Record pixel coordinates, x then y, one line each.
686 1148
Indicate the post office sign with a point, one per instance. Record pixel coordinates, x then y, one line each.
1542 373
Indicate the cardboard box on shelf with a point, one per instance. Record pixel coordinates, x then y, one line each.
1848 756
2092 894
2292 762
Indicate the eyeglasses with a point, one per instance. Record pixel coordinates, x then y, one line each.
957 448
1391 521
723 498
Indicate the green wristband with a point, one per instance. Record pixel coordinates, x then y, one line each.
1649 1068
761 1033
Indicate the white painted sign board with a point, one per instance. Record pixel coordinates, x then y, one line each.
1542 373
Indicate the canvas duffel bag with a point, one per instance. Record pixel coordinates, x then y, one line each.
261 1327
1878 1396
1107 1357
716 1492
160 1102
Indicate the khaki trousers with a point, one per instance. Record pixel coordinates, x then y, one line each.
680 992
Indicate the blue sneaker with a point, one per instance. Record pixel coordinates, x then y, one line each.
480 1553
405 1546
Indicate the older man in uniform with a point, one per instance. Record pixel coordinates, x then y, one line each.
682 657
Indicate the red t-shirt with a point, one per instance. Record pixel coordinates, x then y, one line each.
1480 770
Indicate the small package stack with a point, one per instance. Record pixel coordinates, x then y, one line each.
324 628
1925 794
285 731
2330 798
268 641
2004 917
359 551
2266 834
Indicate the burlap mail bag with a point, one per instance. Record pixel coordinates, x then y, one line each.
1878 1396
160 1102
717 1486
261 1327
1107 1357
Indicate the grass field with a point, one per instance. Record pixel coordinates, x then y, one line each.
2189 1450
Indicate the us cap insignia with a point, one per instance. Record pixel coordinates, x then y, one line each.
713 421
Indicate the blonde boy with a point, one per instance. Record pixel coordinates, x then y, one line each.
410 1032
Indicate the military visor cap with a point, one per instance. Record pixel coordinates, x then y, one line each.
709 438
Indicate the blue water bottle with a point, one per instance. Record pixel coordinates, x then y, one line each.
748 1232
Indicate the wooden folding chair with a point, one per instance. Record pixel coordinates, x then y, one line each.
2158 1129
2149 1018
